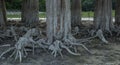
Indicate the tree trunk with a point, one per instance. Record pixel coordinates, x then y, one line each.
117 13
3 17
58 19
30 12
76 13
103 15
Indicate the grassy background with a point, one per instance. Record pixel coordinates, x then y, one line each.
43 15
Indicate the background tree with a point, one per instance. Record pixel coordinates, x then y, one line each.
103 15
3 17
117 13
76 12
30 12
59 26
58 19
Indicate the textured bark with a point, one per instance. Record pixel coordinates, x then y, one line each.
103 15
58 19
76 13
3 17
30 12
117 13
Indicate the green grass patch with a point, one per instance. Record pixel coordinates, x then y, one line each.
91 14
43 15
13 15
88 14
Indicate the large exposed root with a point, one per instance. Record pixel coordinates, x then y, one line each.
58 46
76 30
78 44
101 36
14 33
26 40
118 31
6 45
55 47
67 48
8 50
68 44
98 34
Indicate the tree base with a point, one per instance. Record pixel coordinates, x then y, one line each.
68 44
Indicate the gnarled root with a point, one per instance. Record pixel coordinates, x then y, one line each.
101 36
118 30
58 46
79 44
55 47
19 50
98 34
71 42
8 50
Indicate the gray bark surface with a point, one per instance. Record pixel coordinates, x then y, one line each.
30 12
58 19
2 13
117 13
76 13
103 15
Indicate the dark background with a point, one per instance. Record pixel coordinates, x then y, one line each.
87 5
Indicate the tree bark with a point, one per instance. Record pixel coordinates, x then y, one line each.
58 19
30 12
117 13
76 13
3 17
103 15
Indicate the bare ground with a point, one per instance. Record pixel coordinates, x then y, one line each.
102 55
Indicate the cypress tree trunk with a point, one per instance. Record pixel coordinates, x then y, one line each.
30 12
58 19
103 15
117 13
76 13
3 17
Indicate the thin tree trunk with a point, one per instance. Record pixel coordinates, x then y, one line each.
58 19
30 12
3 17
76 13
103 15
117 13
